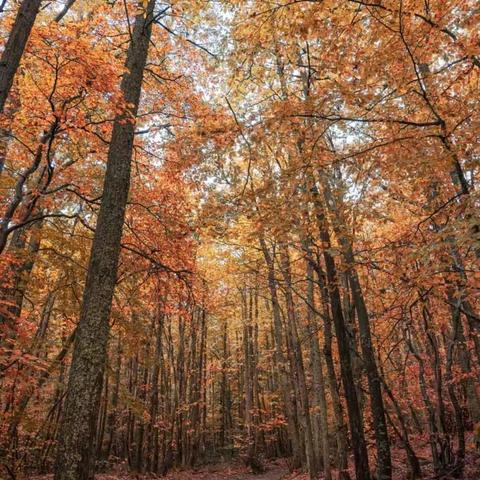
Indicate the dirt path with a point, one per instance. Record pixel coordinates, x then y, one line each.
273 473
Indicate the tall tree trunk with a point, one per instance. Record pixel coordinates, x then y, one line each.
451 344
247 306
288 401
225 397
74 459
113 414
359 446
384 462
152 431
322 441
340 427
298 364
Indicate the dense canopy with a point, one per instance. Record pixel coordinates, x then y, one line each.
240 233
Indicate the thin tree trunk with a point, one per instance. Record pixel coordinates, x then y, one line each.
68 5
112 416
359 446
340 427
247 306
298 365
384 462
322 442
281 363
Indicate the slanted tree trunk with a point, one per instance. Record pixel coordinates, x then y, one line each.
384 462
340 426
359 445
402 432
68 5
17 40
74 459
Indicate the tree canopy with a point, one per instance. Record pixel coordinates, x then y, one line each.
240 232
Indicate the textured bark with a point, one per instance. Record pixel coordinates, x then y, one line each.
74 459
112 416
4 137
17 40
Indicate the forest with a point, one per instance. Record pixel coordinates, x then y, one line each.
239 239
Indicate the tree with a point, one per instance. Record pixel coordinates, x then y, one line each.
17 40
75 456
279 258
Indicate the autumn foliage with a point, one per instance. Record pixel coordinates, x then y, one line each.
295 188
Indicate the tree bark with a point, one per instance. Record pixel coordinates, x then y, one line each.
64 10
74 459
280 360
384 462
340 427
298 364
322 442
359 446
17 40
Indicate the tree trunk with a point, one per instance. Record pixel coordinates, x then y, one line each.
74 459
64 10
17 40
298 364
247 306
112 416
359 446
322 442
281 363
340 427
384 463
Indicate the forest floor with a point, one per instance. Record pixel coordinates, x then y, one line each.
278 469
273 471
